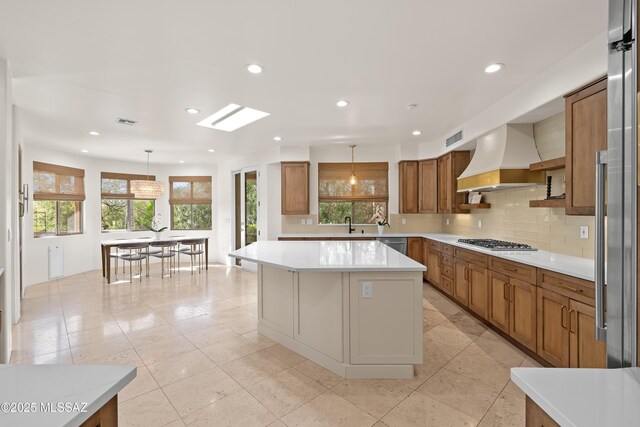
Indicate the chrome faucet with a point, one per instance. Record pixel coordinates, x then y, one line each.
351 229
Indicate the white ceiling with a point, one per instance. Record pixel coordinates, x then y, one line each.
80 64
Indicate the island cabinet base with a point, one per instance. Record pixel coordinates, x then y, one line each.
536 417
356 324
107 416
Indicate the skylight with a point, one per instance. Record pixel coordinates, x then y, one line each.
232 117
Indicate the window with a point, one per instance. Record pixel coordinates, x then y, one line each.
190 200
120 209
337 198
58 193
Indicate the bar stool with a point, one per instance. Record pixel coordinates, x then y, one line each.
136 253
194 249
167 250
116 257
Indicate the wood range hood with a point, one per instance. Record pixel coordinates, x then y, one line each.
501 160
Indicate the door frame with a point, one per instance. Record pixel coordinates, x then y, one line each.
245 265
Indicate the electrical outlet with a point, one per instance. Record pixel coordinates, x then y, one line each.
404 221
584 232
367 289
479 223
309 221
302 221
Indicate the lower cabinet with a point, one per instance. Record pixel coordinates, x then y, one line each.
434 261
512 308
461 282
414 249
566 335
471 286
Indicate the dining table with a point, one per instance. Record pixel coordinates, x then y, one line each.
106 245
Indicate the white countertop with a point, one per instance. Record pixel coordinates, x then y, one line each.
112 242
565 264
91 384
584 397
328 256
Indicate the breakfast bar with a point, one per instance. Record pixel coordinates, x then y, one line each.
353 307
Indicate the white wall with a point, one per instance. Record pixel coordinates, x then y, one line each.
82 252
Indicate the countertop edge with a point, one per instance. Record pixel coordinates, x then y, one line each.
333 269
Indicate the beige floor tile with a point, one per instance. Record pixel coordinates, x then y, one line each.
514 390
94 335
287 356
152 335
81 322
507 411
322 376
62 357
209 336
258 339
243 326
285 391
421 410
229 348
375 397
180 367
446 341
328 409
176 423
476 364
88 353
465 323
141 384
195 323
200 390
176 312
165 349
500 350
468 396
433 317
442 305
530 363
277 423
240 409
254 368
31 350
138 319
127 357
150 409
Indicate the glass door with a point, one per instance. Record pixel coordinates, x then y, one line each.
246 211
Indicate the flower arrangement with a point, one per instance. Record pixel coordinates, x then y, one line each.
379 217
156 224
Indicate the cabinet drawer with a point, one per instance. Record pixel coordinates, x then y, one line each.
446 249
446 284
470 256
572 287
513 269
447 271
433 245
447 260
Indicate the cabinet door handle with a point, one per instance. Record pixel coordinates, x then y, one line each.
568 287
512 292
562 310
505 267
466 273
572 324
505 291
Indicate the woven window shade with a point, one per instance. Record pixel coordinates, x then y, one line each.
118 185
372 181
190 190
54 182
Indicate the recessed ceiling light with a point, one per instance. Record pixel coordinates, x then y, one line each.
493 68
181 161
254 68
342 103
277 138
94 133
211 150
192 110
416 132
85 151
232 117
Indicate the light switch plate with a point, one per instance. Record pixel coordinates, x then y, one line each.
479 223
404 221
309 221
302 221
584 232
367 289
447 221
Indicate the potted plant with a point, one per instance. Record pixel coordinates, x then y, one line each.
156 226
381 220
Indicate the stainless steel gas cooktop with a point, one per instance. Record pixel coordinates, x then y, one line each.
497 245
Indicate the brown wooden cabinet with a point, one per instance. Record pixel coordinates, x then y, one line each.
294 188
585 133
553 328
450 167
584 350
512 308
428 186
433 263
408 182
414 249
461 281
478 290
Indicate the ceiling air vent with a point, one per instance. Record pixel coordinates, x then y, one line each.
456 137
127 122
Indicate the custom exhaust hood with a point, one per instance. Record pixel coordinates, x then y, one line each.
502 160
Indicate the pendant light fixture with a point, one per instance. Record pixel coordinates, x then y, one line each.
147 189
353 180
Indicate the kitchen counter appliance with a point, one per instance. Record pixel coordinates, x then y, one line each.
397 243
497 245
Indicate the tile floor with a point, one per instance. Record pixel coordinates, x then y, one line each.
201 362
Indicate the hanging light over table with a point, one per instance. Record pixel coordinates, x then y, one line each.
147 189
353 180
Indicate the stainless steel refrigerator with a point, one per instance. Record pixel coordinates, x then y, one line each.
617 194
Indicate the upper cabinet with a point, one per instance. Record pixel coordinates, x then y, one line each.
586 133
428 186
295 188
450 167
408 186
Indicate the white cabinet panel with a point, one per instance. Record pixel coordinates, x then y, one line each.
276 302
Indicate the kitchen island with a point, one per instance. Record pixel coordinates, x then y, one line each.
353 307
